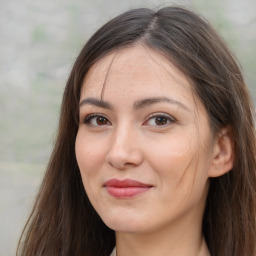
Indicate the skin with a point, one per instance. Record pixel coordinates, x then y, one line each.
165 143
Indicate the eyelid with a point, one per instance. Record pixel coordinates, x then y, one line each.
160 114
88 117
86 120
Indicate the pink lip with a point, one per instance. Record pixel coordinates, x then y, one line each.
125 188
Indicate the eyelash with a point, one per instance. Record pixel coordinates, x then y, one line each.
167 117
88 119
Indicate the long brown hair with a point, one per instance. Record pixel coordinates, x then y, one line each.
63 222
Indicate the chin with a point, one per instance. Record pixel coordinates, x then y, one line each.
125 223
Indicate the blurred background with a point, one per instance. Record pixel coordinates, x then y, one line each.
39 41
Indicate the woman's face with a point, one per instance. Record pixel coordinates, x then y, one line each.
144 145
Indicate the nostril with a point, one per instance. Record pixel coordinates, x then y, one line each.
123 159
124 150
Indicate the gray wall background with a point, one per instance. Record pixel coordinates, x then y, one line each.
39 41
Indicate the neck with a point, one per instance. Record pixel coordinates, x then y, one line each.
181 239
153 248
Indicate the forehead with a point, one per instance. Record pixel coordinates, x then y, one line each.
136 69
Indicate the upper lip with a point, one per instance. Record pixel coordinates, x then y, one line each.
125 183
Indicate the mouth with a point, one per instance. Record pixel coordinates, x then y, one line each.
125 188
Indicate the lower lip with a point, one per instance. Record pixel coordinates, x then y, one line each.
126 192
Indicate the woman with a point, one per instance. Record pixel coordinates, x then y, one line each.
155 153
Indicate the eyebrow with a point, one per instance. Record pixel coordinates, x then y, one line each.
96 102
137 104
154 100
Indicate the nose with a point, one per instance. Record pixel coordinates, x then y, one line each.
124 151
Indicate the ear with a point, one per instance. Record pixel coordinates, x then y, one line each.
223 153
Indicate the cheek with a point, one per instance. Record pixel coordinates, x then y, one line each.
89 155
171 153
89 158
180 163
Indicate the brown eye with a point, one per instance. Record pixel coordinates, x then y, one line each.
96 120
161 120
100 120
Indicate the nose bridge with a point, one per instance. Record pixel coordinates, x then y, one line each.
123 135
124 148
